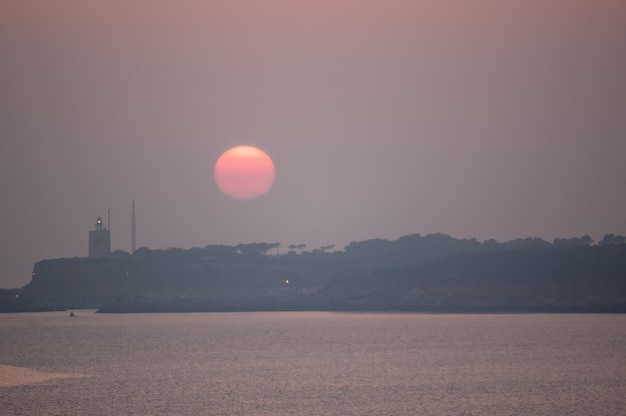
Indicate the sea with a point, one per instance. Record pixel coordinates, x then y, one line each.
312 363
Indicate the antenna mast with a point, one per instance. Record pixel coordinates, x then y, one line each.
134 232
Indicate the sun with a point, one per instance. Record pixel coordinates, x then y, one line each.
244 172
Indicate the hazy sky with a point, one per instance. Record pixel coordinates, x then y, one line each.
488 119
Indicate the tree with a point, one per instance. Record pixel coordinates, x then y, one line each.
256 248
612 239
294 247
573 242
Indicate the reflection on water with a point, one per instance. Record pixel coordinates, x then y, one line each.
17 376
309 363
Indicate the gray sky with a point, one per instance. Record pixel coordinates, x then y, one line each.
487 119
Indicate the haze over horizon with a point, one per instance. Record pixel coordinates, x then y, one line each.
495 119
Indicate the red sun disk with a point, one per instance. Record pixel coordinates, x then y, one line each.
244 172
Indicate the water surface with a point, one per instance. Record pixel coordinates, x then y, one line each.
312 363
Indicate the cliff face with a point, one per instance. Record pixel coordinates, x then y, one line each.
75 282
85 282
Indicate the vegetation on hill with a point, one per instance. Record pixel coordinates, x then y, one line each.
414 272
555 279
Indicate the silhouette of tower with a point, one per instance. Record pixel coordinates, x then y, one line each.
133 231
99 240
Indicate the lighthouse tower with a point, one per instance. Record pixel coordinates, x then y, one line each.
99 240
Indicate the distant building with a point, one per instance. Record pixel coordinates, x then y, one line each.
99 240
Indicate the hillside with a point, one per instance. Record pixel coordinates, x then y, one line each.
433 272
555 279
